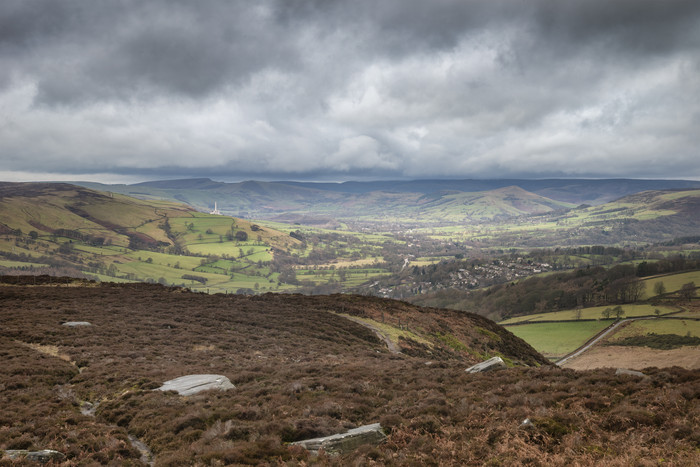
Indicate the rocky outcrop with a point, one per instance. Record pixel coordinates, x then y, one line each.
494 363
345 442
192 384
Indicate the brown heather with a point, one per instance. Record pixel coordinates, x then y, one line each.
302 370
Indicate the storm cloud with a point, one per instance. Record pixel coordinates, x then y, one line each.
334 89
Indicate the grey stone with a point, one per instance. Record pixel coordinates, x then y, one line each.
527 424
494 363
192 384
625 371
345 442
42 457
74 324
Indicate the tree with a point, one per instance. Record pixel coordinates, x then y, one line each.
577 313
659 288
607 312
619 312
241 236
688 291
34 234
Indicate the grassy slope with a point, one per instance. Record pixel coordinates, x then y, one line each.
44 208
591 313
645 217
555 340
672 282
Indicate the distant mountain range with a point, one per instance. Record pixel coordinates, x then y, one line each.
418 201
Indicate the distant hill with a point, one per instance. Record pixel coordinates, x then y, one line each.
422 202
575 191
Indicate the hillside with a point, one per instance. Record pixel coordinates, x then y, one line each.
302 369
75 230
647 217
294 201
404 199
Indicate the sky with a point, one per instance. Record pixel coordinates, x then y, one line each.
127 91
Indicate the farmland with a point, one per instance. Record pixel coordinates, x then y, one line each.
554 340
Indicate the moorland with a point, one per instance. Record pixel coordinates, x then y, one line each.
302 369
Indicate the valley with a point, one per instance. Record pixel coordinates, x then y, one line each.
324 322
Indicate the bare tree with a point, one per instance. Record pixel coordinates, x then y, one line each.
659 288
688 291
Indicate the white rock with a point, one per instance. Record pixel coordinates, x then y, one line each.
73 324
494 363
192 384
345 442
625 371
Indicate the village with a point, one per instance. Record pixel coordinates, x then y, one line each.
422 280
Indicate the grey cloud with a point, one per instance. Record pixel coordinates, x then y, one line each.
351 88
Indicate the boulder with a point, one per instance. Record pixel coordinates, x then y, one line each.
192 384
42 457
494 363
73 324
345 442
625 371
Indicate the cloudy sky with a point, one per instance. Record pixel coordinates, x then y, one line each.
349 90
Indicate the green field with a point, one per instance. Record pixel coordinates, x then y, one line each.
19 264
554 340
658 326
673 282
631 311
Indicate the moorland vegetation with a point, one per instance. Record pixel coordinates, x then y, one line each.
302 369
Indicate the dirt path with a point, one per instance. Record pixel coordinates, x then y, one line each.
393 348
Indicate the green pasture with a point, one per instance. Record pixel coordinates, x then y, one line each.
106 278
554 340
658 326
19 264
219 249
163 259
153 229
688 314
596 312
98 250
673 282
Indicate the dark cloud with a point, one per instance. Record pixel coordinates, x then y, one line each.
334 88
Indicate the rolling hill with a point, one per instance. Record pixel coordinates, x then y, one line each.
294 201
647 217
109 236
